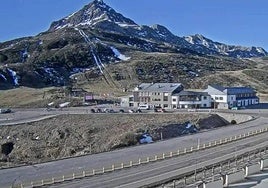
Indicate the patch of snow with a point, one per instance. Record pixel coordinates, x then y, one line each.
69 16
119 55
63 26
126 25
3 76
25 54
90 43
188 126
161 35
50 71
205 43
14 77
142 33
193 73
50 104
189 39
101 17
145 139
65 104
260 50
97 62
103 5
77 70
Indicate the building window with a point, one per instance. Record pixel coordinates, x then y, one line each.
165 98
216 98
165 105
221 98
204 105
205 97
174 100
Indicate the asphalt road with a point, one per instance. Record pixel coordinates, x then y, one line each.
159 171
97 161
19 116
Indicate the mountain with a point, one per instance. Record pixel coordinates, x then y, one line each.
97 42
98 15
224 49
95 14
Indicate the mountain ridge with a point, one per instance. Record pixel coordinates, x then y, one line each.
98 14
225 49
87 42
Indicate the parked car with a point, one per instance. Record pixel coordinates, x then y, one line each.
5 111
99 110
159 109
131 111
234 108
138 111
144 107
106 110
92 110
121 111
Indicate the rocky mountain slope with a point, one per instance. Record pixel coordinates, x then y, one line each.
224 49
91 42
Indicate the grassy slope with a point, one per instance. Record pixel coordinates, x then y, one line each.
255 77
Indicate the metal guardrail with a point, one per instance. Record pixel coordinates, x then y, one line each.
140 161
218 170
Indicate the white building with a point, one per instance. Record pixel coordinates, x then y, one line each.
228 97
191 99
156 94
127 101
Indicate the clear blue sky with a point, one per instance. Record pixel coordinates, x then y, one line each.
239 22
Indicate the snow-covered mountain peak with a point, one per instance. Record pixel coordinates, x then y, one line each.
94 13
198 39
206 44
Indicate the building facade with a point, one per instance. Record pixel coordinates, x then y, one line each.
127 101
191 99
173 96
156 94
228 97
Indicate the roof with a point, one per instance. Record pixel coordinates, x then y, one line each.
159 87
218 87
233 90
239 90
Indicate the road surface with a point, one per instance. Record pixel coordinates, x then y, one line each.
68 166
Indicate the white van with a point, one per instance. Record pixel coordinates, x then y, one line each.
144 107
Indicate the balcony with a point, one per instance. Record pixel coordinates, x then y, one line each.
189 102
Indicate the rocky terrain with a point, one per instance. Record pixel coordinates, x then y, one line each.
75 135
99 45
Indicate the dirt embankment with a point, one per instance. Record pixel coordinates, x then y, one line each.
74 135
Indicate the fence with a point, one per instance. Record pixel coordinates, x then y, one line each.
140 161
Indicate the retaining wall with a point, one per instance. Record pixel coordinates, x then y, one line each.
234 177
252 169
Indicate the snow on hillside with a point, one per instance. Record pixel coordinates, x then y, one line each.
3 76
119 55
14 76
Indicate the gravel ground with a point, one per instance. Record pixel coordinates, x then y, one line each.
74 135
